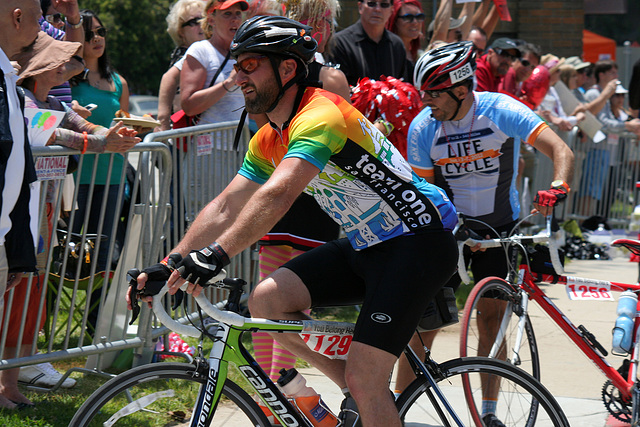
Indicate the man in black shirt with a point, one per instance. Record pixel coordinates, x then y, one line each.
367 49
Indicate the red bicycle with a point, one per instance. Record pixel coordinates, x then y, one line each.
496 322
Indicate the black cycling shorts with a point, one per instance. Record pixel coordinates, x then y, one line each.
393 280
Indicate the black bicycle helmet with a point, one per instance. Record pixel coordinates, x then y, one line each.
275 35
445 67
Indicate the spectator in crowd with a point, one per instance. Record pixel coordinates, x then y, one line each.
207 89
478 37
64 23
494 65
103 86
407 21
521 69
367 48
634 90
551 107
606 74
596 105
19 30
581 67
46 65
486 17
447 29
437 139
215 101
305 225
184 25
618 110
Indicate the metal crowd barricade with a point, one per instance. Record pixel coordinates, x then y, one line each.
203 163
607 173
66 296
158 210
604 181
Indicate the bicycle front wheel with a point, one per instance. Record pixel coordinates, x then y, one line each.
493 325
161 393
522 400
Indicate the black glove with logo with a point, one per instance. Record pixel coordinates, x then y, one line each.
199 267
157 276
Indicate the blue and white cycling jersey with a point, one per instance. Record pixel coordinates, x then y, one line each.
475 160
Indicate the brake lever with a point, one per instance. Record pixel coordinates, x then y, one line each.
133 291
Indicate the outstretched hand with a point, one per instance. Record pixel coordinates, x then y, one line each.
120 138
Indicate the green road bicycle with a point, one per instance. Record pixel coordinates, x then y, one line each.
448 393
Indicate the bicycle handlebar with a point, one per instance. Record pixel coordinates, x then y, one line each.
505 242
214 312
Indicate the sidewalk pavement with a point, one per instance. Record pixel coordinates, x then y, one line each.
572 378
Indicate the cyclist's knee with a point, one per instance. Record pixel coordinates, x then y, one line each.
278 294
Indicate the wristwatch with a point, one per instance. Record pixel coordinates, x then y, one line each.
74 26
558 183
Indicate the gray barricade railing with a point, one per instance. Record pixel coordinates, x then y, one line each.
199 173
158 212
140 204
604 182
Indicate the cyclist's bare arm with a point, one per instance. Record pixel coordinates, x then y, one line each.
552 146
251 218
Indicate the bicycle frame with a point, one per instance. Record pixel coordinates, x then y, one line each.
531 291
228 348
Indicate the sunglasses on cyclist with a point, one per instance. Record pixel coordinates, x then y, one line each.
407 17
54 18
90 34
249 65
431 93
193 22
373 4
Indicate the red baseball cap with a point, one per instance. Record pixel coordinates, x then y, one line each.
226 4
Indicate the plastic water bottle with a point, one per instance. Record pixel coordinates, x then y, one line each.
306 399
623 331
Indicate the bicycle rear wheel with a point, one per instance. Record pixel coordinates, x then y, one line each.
494 305
160 393
522 400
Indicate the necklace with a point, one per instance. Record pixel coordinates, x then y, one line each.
473 118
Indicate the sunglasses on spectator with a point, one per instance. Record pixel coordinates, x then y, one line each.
373 4
504 53
90 34
525 63
54 18
193 22
407 17
249 65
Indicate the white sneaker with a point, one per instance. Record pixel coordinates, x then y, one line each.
43 374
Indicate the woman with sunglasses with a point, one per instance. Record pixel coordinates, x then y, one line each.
215 101
184 25
99 84
407 21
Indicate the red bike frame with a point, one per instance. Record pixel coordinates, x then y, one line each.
527 282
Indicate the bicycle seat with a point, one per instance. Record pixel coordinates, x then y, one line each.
632 245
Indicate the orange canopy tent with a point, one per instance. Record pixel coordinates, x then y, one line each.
596 47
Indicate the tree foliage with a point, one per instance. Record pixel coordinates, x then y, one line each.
137 41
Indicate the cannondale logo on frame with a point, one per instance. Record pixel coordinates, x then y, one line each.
381 317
